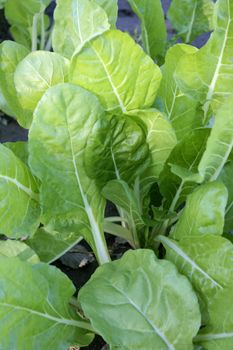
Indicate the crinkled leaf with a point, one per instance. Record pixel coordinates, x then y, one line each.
161 139
116 149
63 120
19 207
18 249
184 113
187 155
76 23
11 54
50 246
37 310
219 144
204 212
36 73
129 82
140 302
154 32
20 149
191 18
207 75
226 178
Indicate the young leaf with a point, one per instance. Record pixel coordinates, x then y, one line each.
154 32
191 18
161 139
11 54
226 178
140 302
184 113
63 120
120 149
18 249
50 246
38 310
187 155
207 75
128 83
204 212
219 144
19 217
76 23
36 73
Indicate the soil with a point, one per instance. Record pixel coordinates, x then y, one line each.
11 131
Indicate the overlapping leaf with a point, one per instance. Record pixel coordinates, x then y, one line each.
12 248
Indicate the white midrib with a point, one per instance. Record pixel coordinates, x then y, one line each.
173 103
20 186
224 159
64 321
213 336
181 253
121 104
216 73
102 253
191 23
153 326
77 22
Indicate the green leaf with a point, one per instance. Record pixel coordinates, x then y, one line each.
191 18
111 8
207 75
120 150
63 120
129 82
38 308
206 260
218 333
4 106
36 73
140 302
226 178
18 249
184 113
19 209
219 144
154 37
204 212
119 193
50 246
187 155
161 139
76 23
2 3
11 54
20 149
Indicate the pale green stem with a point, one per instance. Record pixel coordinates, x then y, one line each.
48 45
42 38
34 32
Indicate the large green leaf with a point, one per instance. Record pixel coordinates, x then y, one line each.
207 75
63 120
50 246
11 54
226 178
219 144
204 212
206 260
20 149
184 113
76 23
36 312
111 8
19 207
154 32
36 73
218 333
10 248
140 302
129 82
120 148
161 139
191 18
186 155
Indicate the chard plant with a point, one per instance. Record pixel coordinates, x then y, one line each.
107 123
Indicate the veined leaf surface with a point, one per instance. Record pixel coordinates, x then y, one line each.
226 178
129 82
111 8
